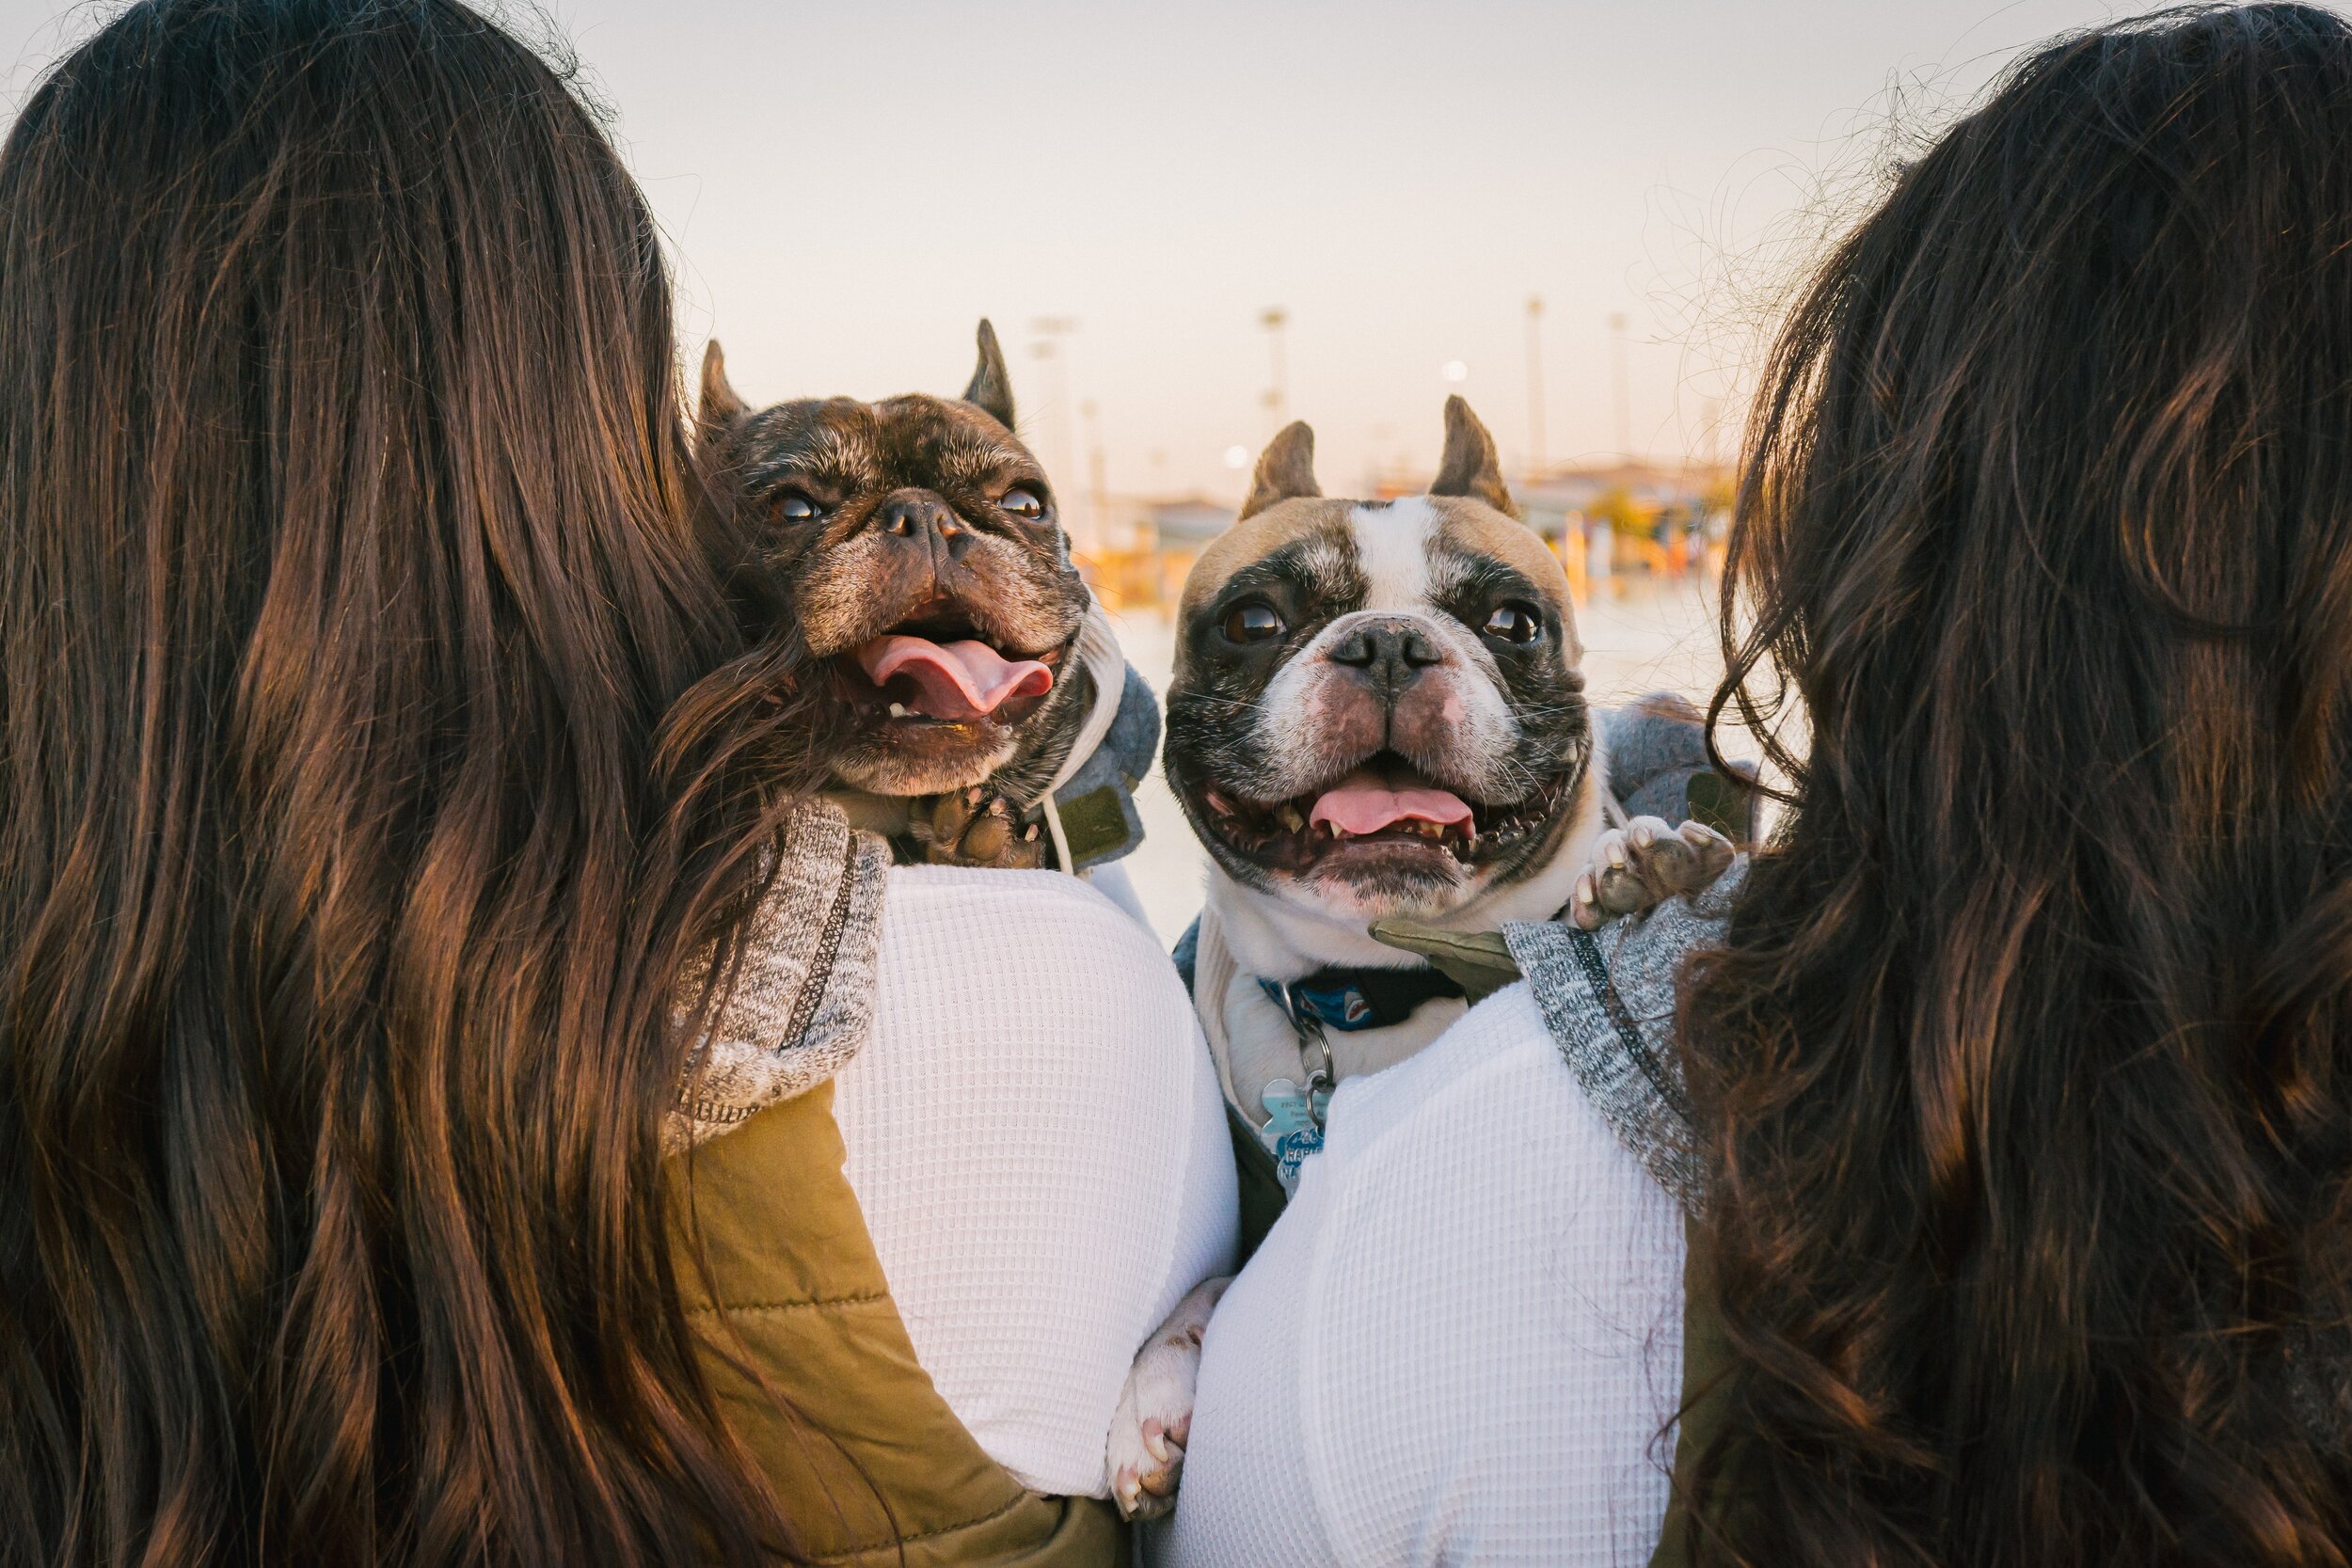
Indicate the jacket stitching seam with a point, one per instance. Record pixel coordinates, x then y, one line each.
993 1514
866 1299
828 948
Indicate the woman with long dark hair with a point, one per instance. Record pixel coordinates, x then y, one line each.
373 793
2010 1090
2027 1061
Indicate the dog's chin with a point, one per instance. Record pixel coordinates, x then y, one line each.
1374 881
1415 869
912 758
910 754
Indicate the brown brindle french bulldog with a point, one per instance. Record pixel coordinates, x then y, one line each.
926 571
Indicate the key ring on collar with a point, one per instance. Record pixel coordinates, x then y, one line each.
1311 1032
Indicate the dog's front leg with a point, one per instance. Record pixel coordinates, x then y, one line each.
1155 1418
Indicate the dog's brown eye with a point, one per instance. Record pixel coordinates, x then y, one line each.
1023 503
792 507
1252 621
1515 623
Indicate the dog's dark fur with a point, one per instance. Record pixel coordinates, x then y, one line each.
870 518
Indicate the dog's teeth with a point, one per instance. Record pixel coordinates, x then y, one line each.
898 710
1290 819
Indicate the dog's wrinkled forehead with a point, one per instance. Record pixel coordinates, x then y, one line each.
844 445
1418 554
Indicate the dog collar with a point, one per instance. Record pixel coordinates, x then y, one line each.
1092 815
1352 999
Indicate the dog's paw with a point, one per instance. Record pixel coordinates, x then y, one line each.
1639 866
1153 1423
1146 1446
965 828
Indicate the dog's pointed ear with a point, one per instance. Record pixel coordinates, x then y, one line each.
992 384
720 405
1285 468
1470 466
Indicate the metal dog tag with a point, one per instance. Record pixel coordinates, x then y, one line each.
1293 1126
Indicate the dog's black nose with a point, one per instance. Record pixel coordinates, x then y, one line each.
923 517
1391 653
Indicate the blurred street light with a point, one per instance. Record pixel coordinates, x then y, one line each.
1051 333
1278 394
1622 376
1535 383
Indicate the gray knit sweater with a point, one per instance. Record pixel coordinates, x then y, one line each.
802 998
1608 998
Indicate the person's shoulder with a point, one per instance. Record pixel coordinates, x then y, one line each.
1496 1053
1489 1108
995 886
1492 1278
1042 917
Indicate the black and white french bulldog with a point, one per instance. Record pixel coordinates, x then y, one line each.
971 704
1377 712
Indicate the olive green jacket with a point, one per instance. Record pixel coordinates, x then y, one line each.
819 1380
802 1343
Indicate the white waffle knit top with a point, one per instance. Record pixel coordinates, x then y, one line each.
1037 1141
1461 1344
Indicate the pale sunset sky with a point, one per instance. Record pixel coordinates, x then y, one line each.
848 186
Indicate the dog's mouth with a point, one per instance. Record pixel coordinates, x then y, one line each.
939 667
1383 810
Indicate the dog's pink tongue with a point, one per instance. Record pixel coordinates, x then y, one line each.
1365 807
960 680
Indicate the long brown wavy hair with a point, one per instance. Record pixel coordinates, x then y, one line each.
364 788
2029 1059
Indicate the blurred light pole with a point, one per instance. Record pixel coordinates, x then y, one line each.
1278 393
1624 392
1051 349
1098 487
1535 383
